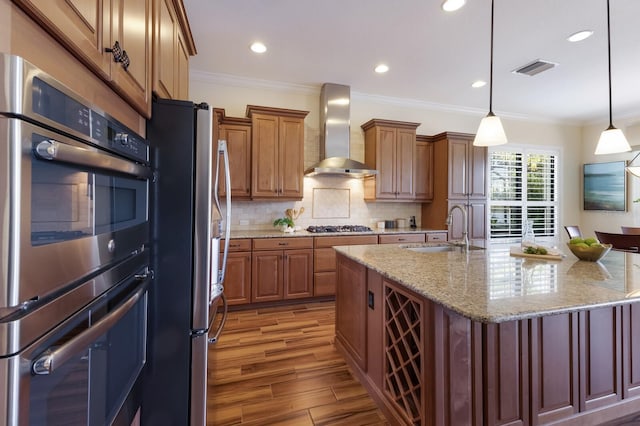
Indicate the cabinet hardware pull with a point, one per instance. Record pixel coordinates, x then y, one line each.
283 244
116 50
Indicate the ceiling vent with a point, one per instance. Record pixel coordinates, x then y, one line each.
535 67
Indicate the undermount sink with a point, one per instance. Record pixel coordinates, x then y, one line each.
439 248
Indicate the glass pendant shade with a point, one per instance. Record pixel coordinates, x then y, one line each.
634 170
490 132
611 141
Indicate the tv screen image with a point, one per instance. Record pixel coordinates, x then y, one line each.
605 186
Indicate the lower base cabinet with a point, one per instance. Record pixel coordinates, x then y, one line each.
427 365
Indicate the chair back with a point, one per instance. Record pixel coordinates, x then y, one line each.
634 230
626 242
573 231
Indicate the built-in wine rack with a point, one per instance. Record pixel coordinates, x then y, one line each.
403 353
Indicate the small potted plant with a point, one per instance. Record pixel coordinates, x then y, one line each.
283 223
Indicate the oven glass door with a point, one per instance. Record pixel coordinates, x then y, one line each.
77 382
70 201
90 206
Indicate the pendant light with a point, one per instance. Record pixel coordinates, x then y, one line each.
490 132
611 140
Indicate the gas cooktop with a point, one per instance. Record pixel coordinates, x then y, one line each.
339 228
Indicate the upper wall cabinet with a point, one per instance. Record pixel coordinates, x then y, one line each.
172 47
423 172
277 152
390 148
111 37
237 133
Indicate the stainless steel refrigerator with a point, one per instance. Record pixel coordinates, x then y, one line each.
187 290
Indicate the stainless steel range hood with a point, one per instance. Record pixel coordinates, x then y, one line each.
335 100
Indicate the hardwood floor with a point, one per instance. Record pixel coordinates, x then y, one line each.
279 366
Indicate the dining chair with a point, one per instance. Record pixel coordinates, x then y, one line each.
634 230
573 231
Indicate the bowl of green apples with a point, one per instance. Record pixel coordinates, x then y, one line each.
589 249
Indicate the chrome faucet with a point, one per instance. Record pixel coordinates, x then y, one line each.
465 223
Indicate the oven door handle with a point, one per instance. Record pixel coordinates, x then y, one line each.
57 151
48 363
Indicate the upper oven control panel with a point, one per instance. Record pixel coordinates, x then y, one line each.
27 92
55 105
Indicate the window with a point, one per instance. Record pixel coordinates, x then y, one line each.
523 186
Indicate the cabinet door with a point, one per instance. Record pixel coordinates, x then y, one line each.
131 28
165 49
291 157
264 156
458 153
477 171
79 24
266 276
298 273
238 139
457 224
405 163
477 220
182 68
237 283
424 171
386 153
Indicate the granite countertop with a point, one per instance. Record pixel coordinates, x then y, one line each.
493 286
275 233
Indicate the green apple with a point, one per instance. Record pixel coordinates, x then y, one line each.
591 240
585 245
576 240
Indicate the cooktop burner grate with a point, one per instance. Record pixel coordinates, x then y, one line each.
339 228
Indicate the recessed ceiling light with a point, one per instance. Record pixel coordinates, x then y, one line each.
478 83
580 35
382 68
452 5
258 47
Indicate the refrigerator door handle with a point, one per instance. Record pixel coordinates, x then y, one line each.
222 149
214 339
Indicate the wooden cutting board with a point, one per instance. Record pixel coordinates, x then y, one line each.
517 252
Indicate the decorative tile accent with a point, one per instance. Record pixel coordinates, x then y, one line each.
331 203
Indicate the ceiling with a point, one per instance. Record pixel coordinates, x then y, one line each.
433 56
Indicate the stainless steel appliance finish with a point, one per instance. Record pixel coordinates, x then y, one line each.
335 122
187 230
74 239
74 192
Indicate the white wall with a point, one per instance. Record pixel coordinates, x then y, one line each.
233 94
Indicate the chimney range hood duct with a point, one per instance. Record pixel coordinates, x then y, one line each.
335 123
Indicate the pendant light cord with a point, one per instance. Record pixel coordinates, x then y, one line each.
491 66
609 55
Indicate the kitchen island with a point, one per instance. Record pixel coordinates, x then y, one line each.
486 338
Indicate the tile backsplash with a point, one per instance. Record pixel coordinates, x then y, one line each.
328 200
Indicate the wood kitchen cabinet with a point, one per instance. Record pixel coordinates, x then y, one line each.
277 152
237 283
237 133
282 268
351 310
465 168
390 148
172 47
423 172
324 260
88 28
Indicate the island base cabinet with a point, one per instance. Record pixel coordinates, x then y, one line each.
427 365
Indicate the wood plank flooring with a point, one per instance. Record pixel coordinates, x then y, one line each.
279 366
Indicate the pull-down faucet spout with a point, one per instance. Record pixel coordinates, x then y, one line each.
465 223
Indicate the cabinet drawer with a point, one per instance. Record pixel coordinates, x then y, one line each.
324 284
351 240
282 243
243 244
402 238
324 259
437 236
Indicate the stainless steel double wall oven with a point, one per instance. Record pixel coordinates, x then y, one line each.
74 267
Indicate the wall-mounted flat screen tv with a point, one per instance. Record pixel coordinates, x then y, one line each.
605 186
